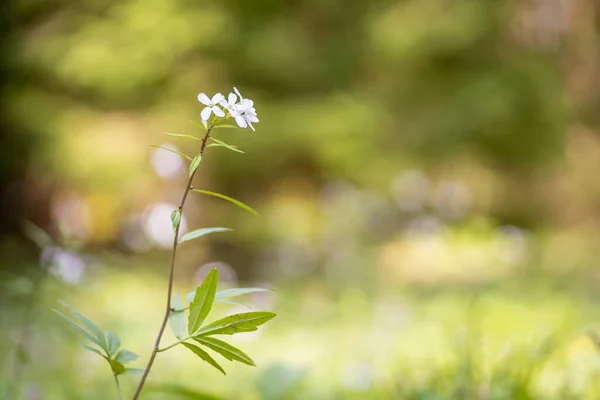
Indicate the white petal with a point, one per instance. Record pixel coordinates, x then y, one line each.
216 98
218 111
205 123
202 98
205 114
224 103
241 121
252 118
250 123
238 93
231 99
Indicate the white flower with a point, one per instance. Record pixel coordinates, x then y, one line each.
243 112
211 106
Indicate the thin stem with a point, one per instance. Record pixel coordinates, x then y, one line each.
171 275
173 345
118 387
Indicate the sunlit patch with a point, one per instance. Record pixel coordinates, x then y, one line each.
512 244
166 164
157 224
66 266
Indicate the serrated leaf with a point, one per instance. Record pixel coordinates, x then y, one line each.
203 301
180 135
201 232
177 319
172 151
117 367
93 350
237 323
204 355
223 294
229 199
195 163
114 343
79 329
90 325
126 356
133 371
225 349
176 218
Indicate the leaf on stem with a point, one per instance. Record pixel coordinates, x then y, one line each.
93 350
203 301
133 371
204 355
237 323
225 349
96 335
223 294
195 163
126 356
201 232
176 218
177 319
114 343
181 135
229 199
229 126
220 143
172 151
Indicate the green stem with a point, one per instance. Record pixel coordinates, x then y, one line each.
118 387
173 345
171 274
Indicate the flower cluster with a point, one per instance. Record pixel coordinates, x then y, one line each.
243 112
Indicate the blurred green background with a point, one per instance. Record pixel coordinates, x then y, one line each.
426 174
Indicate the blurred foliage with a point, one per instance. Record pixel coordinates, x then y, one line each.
411 155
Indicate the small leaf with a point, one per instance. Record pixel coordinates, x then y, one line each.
198 125
176 218
229 199
225 349
79 329
114 343
203 301
220 143
223 294
195 163
201 232
133 371
172 151
90 325
93 350
237 323
116 367
126 356
226 126
177 319
204 355
181 135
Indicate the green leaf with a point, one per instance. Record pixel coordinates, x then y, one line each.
229 126
126 356
237 323
220 143
181 135
79 329
133 371
204 355
176 218
235 303
93 350
223 294
117 367
177 319
203 301
225 349
90 325
195 163
198 125
172 151
114 343
229 199
201 232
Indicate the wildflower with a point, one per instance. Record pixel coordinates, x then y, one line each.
211 106
243 112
